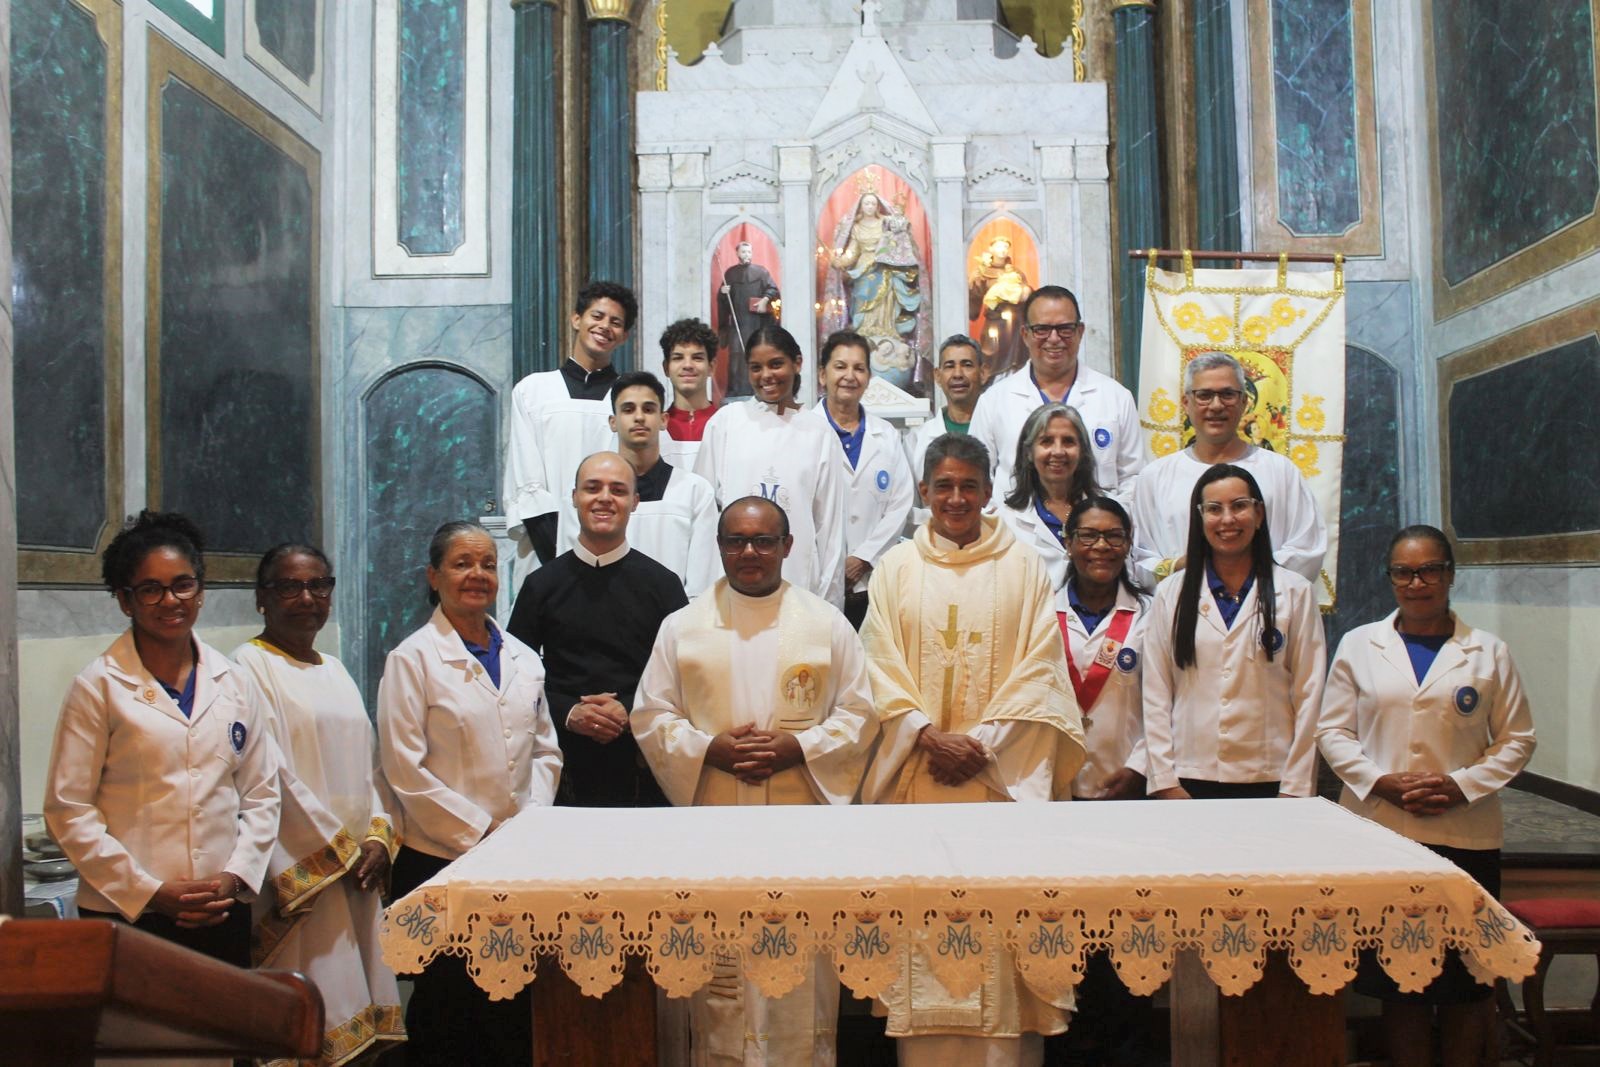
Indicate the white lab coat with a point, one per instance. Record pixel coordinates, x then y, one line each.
1032 531
1469 718
1108 411
1233 716
679 531
917 439
460 755
793 459
138 795
1114 728
1162 512
551 433
880 491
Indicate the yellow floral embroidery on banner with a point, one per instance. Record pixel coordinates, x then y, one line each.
1162 407
1164 444
1218 328
1305 457
1310 416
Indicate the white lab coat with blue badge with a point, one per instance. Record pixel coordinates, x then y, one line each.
1109 414
881 491
460 754
1114 726
137 794
1468 718
1233 716
1032 531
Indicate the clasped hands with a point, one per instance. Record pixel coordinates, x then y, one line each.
599 717
197 903
953 759
752 755
1420 794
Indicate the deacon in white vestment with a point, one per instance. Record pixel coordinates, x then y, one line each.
1213 398
1054 373
757 693
558 418
972 690
770 447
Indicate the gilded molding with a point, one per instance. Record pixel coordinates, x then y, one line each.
41 566
166 61
608 9
1535 338
1365 238
661 46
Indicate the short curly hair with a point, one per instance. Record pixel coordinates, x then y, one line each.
609 291
688 332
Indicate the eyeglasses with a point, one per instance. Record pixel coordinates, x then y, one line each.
734 544
1215 509
1042 330
1430 573
151 593
1090 538
291 588
1229 397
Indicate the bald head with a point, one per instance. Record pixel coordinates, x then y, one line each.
753 537
604 495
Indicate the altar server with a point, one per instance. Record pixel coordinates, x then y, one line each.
466 742
757 693
162 787
1425 719
880 489
1052 471
675 522
971 685
1052 333
959 376
1233 658
769 446
688 358
335 839
557 418
1214 399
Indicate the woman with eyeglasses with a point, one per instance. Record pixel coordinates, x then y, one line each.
1425 720
163 788
466 742
335 837
1233 658
1053 470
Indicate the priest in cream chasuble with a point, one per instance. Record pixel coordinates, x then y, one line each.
757 693
975 704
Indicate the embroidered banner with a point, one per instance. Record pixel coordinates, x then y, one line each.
1287 329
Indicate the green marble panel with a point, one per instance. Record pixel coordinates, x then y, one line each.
1369 491
207 21
1515 99
288 29
432 117
237 364
58 175
1314 100
430 457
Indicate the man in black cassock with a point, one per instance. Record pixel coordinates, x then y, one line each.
592 614
744 305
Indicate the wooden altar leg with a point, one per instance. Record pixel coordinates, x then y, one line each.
572 1030
1277 1020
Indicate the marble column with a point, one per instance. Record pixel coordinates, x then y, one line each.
1138 165
949 250
799 259
610 134
1216 142
537 325
10 764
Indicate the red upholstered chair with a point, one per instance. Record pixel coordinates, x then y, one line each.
1565 926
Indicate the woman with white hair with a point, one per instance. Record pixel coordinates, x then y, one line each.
1053 470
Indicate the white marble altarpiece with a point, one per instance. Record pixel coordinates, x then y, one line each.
910 124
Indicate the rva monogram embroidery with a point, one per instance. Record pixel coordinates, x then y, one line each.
418 927
867 942
1324 938
959 941
501 944
774 941
681 942
1049 941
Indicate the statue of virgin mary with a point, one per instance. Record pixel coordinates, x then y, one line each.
875 288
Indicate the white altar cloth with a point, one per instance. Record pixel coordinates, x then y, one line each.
1051 882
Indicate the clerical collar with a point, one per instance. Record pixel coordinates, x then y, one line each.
652 484
849 439
587 385
1091 619
585 556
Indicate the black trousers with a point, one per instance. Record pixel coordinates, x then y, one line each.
228 941
449 1020
1202 790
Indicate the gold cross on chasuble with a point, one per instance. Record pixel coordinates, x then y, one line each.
953 654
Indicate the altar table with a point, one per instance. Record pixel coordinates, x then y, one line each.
1047 883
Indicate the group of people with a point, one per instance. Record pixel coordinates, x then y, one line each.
756 630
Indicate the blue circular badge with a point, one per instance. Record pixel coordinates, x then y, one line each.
883 481
1274 639
1466 700
236 734
1127 660
1102 437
